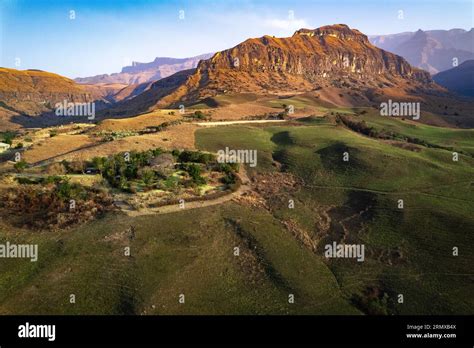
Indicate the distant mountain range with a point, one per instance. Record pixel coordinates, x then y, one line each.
139 73
459 79
334 64
431 50
331 57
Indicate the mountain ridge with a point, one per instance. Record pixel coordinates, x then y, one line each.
431 50
333 55
138 73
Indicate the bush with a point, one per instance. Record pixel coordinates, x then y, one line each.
20 166
196 157
229 179
227 167
359 127
157 151
7 137
147 175
199 115
194 172
76 167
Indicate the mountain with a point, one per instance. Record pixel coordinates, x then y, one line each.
139 73
432 50
459 79
333 56
27 94
33 92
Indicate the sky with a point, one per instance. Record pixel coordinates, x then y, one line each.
88 37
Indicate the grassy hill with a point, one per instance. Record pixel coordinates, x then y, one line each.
408 251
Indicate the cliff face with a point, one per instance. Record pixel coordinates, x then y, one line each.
313 54
328 56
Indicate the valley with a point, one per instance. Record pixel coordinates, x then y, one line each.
134 213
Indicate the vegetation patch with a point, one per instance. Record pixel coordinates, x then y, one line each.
52 203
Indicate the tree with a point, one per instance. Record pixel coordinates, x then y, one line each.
194 172
99 163
8 137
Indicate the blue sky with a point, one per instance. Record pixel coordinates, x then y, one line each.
106 35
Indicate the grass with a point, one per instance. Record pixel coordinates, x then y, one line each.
408 251
459 139
190 252
437 214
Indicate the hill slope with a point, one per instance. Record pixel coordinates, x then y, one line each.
33 92
459 79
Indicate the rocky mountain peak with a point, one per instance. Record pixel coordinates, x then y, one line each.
340 31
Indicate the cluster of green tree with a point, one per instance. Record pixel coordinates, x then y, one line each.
63 188
210 161
120 169
375 301
229 169
361 127
127 170
7 137
194 156
199 115
194 172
